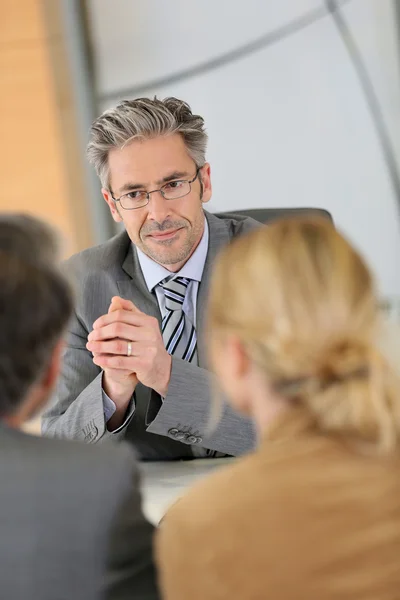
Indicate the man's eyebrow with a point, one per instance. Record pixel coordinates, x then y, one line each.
131 187
172 176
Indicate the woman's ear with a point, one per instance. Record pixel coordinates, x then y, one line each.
232 367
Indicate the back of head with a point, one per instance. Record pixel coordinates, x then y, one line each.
35 305
27 237
303 302
141 119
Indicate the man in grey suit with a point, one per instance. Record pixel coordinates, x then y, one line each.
135 364
71 524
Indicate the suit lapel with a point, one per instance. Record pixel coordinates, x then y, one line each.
219 237
135 288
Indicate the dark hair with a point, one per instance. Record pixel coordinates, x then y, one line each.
25 236
35 305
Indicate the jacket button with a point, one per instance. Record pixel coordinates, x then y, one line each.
191 439
173 432
180 435
199 440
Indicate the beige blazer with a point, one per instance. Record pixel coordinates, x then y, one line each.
304 518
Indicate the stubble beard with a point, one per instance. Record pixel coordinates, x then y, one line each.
166 255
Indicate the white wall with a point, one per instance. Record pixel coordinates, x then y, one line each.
288 125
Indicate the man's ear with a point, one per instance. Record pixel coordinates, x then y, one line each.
50 376
112 205
39 393
206 183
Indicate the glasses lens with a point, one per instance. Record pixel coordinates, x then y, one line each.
175 189
133 200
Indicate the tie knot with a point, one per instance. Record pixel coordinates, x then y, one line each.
175 292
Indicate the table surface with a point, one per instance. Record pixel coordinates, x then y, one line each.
164 482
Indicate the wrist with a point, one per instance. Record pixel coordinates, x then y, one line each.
163 384
120 393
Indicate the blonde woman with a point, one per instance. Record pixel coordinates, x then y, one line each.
314 513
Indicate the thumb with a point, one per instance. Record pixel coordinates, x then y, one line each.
118 303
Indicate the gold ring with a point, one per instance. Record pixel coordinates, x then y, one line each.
129 352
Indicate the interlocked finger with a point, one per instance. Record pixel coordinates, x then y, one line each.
117 346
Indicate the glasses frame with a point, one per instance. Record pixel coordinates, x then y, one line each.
189 181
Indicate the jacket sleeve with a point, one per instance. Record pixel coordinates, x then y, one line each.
185 413
76 409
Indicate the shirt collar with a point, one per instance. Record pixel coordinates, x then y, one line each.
153 273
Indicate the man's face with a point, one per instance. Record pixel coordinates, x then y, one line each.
168 231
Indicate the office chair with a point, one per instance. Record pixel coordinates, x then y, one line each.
264 215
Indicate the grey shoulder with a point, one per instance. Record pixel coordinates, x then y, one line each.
100 257
116 461
115 458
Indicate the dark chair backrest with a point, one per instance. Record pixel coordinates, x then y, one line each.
263 215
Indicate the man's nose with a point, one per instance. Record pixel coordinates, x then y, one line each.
158 207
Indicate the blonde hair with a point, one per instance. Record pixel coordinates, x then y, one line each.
302 301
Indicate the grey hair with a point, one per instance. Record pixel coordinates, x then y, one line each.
144 118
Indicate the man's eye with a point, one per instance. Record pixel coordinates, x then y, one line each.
135 195
173 185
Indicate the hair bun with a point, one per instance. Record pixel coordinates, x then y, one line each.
343 360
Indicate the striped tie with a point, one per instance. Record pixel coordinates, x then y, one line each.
179 334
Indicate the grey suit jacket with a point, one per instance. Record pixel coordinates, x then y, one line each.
71 525
159 430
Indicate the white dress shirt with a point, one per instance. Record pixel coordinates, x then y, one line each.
153 274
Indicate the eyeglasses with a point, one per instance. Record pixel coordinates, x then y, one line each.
170 191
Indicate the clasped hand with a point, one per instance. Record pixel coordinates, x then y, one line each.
148 363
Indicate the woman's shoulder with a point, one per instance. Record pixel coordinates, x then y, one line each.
196 536
225 492
275 476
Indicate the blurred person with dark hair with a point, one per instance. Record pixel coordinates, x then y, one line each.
314 513
71 524
135 365
28 238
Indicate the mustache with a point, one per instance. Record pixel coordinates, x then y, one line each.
149 228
